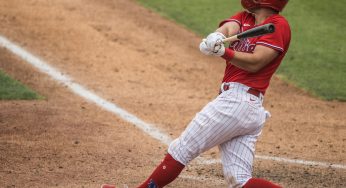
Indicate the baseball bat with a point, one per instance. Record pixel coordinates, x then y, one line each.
254 32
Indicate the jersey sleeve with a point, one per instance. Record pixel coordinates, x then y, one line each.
278 39
235 18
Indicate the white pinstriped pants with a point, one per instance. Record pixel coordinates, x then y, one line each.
233 121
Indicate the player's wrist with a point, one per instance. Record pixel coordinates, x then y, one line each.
228 55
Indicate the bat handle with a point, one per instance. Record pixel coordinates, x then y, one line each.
230 39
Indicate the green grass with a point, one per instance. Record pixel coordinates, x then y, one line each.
316 60
11 89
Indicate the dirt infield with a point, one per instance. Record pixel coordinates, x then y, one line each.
152 68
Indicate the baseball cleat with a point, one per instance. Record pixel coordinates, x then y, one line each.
152 184
107 186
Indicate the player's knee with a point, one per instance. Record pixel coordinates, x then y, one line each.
182 152
176 152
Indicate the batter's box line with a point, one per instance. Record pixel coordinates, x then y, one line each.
148 128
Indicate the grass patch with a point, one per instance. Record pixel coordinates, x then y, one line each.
316 60
11 89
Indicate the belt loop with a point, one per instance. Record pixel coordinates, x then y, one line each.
221 88
224 87
262 97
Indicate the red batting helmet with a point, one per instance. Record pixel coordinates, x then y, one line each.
274 4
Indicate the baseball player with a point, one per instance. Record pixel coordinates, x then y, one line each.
234 119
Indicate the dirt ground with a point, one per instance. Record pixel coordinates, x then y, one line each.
152 68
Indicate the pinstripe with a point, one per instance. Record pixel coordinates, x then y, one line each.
234 122
230 121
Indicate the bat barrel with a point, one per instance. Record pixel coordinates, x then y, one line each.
254 32
257 31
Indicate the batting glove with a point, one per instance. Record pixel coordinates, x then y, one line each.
213 44
204 48
219 50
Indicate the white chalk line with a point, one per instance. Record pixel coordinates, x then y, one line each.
150 129
82 91
282 160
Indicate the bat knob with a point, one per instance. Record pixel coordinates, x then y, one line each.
271 28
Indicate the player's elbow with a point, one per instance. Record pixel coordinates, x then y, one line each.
251 67
251 70
249 62
254 68
255 65
261 57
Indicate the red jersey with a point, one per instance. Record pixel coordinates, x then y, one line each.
279 41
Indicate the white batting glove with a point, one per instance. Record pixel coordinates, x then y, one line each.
213 44
214 39
204 48
219 50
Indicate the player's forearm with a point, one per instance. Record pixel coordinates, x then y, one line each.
251 62
247 61
229 29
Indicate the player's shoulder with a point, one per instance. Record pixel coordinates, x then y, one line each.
238 17
279 20
245 15
281 24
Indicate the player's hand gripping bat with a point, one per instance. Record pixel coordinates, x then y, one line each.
254 32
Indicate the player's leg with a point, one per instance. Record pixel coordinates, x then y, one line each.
218 122
226 117
259 183
197 138
168 170
164 174
237 158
